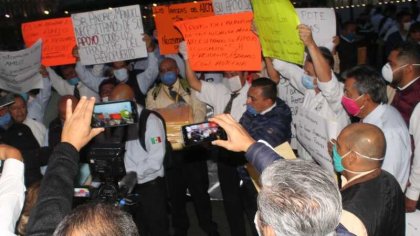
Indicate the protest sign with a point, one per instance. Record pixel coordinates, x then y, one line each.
222 43
165 17
314 132
109 35
19 69
231 6
57 40
322 22
276 22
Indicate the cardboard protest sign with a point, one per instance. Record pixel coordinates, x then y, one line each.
231 6
109 35
322 22
276 22
165 17
19 69
57 39
222 43
314 132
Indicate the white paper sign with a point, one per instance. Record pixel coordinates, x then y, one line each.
221 7
109 35
412 221
19 70
294 99
314 133
322 22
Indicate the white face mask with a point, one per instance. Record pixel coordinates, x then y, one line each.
388 73
406 26
121 74
233 84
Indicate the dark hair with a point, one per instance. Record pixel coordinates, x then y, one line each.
401 14
368 81
269 88
97 219
326 53
112 81
408 53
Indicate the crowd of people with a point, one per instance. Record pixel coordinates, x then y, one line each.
370 102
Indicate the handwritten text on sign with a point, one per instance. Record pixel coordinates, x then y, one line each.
168 36
314 133
19 69
109 35
57 40
221 43
231 6
322 22
276 22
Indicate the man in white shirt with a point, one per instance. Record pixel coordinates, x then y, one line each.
12 189
365 97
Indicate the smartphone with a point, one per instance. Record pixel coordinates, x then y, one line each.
202 132
113 114
81 192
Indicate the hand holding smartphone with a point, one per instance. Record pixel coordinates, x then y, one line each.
114 114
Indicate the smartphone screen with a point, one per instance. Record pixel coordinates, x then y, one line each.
112 114
202 132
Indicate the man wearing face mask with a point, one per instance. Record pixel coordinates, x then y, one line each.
365 97
229 97
400 31
69 82
372 195
348 46
317 81
189 167
121 71
403 72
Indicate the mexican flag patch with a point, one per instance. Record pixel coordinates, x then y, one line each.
156 140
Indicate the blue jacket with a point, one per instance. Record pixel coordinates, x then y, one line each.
274 126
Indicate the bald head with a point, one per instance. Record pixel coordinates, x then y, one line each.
122 92
365 139
62 105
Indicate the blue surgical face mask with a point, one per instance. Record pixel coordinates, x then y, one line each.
308 81
251 110
121 74
73 81
168 78
338 160
5 119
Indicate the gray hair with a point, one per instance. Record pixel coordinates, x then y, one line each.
299 198
368 81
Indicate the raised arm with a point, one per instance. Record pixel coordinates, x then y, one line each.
194 82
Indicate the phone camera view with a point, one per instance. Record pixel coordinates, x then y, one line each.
202 132
113 114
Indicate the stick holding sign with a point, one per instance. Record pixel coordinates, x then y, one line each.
19 69
222 43
109 35
276 22
57 39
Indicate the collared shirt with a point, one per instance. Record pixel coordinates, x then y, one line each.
144 79
398 148
413 191
12 195
38 130
64 88
148 164
218 96
268 109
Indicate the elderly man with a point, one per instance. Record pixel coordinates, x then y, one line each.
365 97
370 194
403 71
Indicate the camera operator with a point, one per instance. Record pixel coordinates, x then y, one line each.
150 212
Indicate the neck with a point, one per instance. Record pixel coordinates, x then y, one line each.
408 80
368 108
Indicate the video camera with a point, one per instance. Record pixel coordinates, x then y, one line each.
107 167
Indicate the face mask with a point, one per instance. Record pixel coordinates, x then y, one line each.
5 119
98 70
251 110
351 106
168 78
406 26
388 73
350 37
25 96
73 81
338 160
121 74
233 84
308 81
